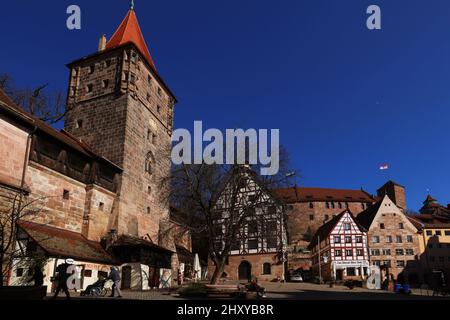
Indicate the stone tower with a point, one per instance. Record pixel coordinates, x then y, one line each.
395 192
120 107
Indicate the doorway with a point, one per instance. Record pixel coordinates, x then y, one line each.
126 277
245 271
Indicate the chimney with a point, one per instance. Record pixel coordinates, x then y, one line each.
102 43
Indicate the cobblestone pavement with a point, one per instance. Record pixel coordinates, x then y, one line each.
297 291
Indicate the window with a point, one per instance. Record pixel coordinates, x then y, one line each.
339 205
107 63
159 91
400 263
376 262
91 69
386 252
311 217
158 109
337 253
101 206
332 205
148 163
438 233
359 239
398 239
19 272
388 239
327 205
348 253
311 205
447 232
381 225
346 205
409 238
66 194
252 244
267 268
133 57
401 226
89 88
149 79
105 83
399 252
351 272
374 252
376 239
387 263
359 252
252 228
133 78
149 190
429 233
87 273
148 210
347 226
348 239
409 252
337 239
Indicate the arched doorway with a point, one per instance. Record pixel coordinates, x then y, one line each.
245 271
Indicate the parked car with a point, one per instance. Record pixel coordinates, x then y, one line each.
296 277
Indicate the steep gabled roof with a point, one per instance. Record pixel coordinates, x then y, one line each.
366 217
129 31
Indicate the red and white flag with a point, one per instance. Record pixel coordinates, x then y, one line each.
384 167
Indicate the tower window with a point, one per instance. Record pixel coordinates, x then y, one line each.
66 194
108 63
91 69
105 83
89 88
311 217
149 79
149 190
149 164
148 97
101 206
159 91
311 205
79 124
148 210
158 109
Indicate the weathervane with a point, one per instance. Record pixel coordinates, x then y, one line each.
132 5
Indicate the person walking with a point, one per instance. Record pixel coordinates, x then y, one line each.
61 279
38 277
114 275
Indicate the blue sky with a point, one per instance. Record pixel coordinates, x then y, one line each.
346 99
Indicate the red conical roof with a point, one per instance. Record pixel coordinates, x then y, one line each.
130 32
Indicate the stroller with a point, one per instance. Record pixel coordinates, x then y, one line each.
97 289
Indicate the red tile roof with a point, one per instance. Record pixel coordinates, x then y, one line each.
301 194
67 139
63 243
129 31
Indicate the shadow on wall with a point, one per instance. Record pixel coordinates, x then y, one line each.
432 267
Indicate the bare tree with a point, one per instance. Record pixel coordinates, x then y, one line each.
215 200
49 107
14 207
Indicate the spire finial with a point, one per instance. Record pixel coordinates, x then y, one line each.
132 5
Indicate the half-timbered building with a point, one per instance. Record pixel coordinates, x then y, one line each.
258 245
339 249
